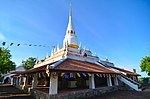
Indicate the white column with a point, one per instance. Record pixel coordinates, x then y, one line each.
20 80
109 83
34 81
17 80
11 80
26 80
116 81
91 82
53 86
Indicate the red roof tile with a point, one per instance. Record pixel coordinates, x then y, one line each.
77 65
74 66
126 71
17 72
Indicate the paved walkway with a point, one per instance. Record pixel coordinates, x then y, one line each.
10 92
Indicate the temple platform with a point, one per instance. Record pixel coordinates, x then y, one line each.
42 93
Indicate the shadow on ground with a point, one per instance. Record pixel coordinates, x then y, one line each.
11 92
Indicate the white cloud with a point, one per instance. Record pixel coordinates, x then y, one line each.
2 36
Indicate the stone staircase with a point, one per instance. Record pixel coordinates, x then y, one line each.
131 83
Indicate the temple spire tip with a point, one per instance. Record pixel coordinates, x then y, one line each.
70 8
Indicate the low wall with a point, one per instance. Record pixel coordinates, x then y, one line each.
86 93
39 94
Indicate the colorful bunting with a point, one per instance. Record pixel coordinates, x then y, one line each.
66 76
106 75
109 75
11 44
89 74
47 72
43 74
78 75
97 75
113 75
84 74
19 44
62 74
103 75
3 43
100 75
39 75
71 75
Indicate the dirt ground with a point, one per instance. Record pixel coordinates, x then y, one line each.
125 95
11 92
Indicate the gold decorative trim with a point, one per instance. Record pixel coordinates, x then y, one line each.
73 46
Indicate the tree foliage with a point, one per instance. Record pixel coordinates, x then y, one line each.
6 64
29 63
145 64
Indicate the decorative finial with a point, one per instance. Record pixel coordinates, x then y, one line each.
96 54
52 51
39 61
47 55
80 46
106 58
84 48
36 61
57 47
71 8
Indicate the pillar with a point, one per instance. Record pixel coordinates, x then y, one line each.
34 81
116 81
53 86
11 80
20 80
109 83
17 80
26 80
91 82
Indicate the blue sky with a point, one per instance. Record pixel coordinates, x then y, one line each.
118 29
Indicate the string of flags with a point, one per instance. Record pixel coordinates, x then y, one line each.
74 75
20 44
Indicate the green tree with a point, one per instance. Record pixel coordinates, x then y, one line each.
6 64
29 63
145 64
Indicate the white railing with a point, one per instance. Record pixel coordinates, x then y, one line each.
130 83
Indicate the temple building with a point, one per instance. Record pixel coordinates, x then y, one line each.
73 71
